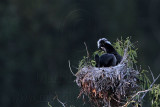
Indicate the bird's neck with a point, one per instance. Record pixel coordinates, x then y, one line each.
110 49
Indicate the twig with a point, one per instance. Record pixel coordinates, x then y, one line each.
49 104
70 67
56 97
140 68
151 73
125 105
117 100
63 104
86 49
149 87
125 55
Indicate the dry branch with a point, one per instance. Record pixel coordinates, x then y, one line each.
70 68
56 97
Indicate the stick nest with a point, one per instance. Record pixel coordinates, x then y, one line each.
108 86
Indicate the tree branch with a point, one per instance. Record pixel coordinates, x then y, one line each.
149 87
135 96
151 73
70 67
56 97
86 50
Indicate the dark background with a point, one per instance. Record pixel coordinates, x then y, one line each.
38 37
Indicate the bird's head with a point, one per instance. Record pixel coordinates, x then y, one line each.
103 43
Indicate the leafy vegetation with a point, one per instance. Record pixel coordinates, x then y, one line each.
155 95
120 46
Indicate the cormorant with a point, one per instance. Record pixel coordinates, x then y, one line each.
110 58
105 60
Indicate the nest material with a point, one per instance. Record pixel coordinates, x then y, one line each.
108 86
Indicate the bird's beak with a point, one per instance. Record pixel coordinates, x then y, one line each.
103 48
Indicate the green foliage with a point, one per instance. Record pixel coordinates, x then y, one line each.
155 91
93 63
155 95
120 46
98 52
143 77
83 62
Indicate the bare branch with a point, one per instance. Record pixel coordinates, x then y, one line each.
140 68
63 104
86 49
117 100
70 68
49 104
56 97
151 73
135 96
125 55
149 87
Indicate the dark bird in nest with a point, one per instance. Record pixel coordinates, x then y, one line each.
110 57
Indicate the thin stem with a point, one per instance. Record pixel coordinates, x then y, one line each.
70 67
56 97
151 73
86 49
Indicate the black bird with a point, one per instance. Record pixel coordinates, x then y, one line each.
105 60
110 58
